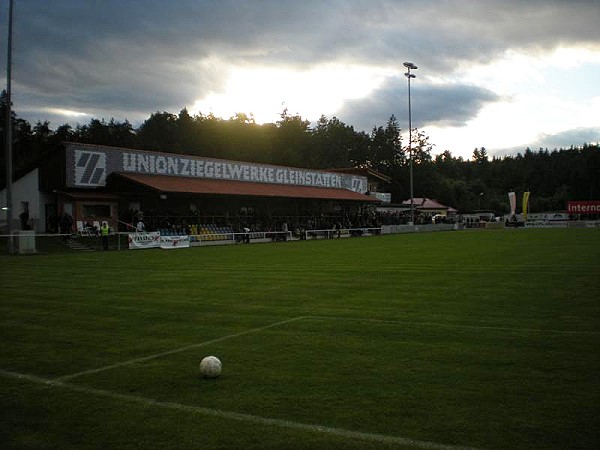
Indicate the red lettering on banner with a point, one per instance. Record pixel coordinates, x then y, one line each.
584 207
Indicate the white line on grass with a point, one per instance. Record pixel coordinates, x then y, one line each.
338 432
450 325
283 322
294 319
177 350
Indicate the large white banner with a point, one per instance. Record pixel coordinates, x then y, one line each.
89 166
144 240
169 242
155 240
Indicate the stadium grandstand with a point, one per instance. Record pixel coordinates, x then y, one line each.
184 194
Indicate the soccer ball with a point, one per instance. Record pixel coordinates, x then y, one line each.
210 367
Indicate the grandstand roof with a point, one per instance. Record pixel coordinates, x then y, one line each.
364 171
187 185
87 195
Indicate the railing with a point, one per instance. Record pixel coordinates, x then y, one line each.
216 238
395 229
332 233
30 242
540 223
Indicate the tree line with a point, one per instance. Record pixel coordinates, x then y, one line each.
478 183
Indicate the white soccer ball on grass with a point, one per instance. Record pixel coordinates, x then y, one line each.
210 367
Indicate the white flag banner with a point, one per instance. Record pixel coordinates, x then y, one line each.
512 199
169 242
144 240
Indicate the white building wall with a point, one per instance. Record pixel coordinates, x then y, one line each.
25 189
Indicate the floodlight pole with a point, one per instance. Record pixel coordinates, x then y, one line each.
9 206
409 75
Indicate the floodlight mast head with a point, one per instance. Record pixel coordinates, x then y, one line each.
410 66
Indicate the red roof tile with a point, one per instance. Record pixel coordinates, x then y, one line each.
187 185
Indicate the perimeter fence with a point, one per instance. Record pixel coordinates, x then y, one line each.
30 242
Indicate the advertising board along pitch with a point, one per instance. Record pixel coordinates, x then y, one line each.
583 207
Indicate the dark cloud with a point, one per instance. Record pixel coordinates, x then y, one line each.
565 139
156 55
440 105
577 136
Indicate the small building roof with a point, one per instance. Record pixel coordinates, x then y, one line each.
425 203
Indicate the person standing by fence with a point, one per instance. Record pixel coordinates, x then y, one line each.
104 229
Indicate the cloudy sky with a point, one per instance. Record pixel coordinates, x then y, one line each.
502 74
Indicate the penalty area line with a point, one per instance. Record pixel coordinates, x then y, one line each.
174 351
452 325
229 415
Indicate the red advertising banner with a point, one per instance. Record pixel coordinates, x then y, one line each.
584 207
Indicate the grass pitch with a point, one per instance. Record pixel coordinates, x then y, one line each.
485 339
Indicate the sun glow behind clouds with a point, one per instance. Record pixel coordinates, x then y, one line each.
541 95
65 112
264 93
